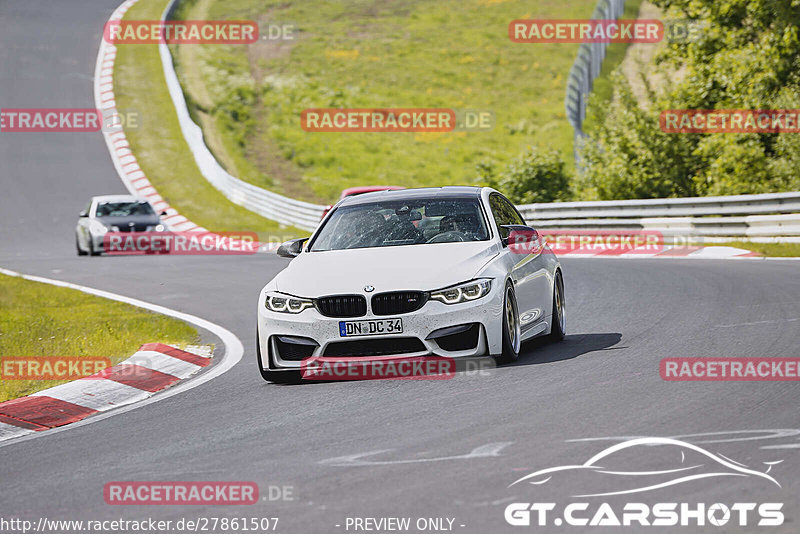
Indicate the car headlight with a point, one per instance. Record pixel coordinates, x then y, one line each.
160 228
280 302
463 292
96 227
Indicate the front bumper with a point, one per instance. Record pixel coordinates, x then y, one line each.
99 239
485 314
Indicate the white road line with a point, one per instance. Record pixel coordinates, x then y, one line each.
757 322
10 431
233 352
490 450
746 435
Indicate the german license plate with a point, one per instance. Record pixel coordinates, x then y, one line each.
370 328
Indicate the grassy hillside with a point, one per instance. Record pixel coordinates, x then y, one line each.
160 148
449 53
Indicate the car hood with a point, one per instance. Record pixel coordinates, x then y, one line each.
139 221
410 267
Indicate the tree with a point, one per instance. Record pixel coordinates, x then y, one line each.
746 58
628 156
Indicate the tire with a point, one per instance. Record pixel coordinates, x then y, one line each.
511 328
91 248
278 377
559 327
78 248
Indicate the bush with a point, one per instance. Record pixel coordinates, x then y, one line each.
536 176
628 156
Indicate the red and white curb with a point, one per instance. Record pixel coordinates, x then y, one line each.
124 161
159 367
118 147
152 368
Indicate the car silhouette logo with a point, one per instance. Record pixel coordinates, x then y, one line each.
602 464
369 289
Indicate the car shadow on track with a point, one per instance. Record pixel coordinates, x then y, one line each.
534 352
542 350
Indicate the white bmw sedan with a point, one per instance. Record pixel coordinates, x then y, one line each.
451 271
113 213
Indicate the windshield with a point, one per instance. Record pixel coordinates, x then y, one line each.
124 209
402 222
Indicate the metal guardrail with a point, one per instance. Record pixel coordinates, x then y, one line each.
667 207
585 69
285 210
765 215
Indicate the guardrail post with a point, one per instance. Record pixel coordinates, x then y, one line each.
586 67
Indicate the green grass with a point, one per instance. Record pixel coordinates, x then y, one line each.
774 250
450 53
159 145
38 319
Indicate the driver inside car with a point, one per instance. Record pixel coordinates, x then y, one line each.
466 225
448 224
402 229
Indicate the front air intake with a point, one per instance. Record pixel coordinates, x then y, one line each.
342 306
398 302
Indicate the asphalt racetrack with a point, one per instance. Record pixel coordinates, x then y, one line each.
397 448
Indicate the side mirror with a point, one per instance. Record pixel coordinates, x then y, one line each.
83 213
521 239
292 248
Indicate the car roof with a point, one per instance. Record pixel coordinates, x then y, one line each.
451 191
118 198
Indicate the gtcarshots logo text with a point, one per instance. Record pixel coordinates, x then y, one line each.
609 473
663 514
